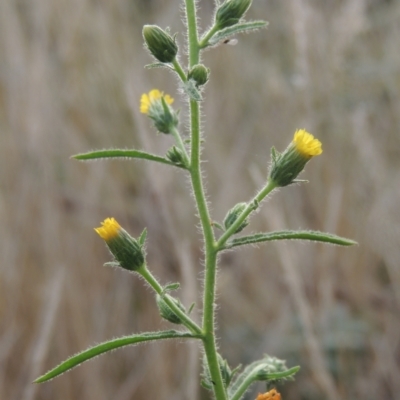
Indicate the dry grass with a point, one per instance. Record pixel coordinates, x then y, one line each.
71 74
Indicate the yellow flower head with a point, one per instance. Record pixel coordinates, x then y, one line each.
306 144
147 99
271 395
127 251
287 166
109 229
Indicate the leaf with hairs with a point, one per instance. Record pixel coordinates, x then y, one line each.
120 153
234 30
158 65
191 90
315 236
109 345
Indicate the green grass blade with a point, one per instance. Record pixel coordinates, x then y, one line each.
315 236
108 346
120 153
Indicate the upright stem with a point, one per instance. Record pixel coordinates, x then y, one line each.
209 342
192 32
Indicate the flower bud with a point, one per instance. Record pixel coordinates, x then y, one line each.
160 44
199 73
287 166
230 12
225 369
125 249
157 106
166 312
176 156
233 215
226 372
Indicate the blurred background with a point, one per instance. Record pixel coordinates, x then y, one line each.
71 76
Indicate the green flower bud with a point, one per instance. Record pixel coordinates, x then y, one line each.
226 372
230 12
160 44
175 155
233 215
127 251
199 73
225 369
166 312
287 166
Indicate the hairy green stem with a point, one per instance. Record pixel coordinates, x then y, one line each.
251 206
192 32
209 341
179 70
180 144
204 41
241 390
152 281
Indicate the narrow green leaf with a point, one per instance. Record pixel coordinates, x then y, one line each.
235 29
274 376
172 286
108 346
112 264
315 236
274 154
206 385
142 237
120 153
158 65
190 308
218 226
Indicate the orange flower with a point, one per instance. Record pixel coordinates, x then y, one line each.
271 395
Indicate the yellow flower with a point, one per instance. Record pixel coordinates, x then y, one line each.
109 229
147 99
127 251
271 395
306 144
287 166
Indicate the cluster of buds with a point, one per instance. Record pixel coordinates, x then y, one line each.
127 251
